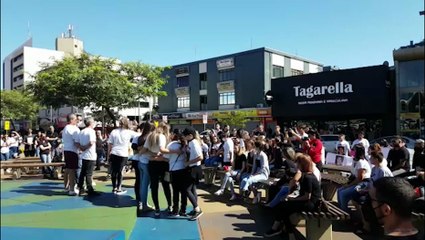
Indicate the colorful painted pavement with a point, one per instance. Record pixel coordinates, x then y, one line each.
40 210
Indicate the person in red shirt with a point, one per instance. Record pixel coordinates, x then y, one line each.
313 147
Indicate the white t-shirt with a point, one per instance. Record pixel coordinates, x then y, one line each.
86 136
261 164
120 141
195 151
70 136
162 142
363 142
4 147
362 164
13 142
317 173
176 160
228 150
346 146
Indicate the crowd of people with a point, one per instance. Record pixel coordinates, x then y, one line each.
174 158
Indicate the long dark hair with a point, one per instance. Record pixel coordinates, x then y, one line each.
146 128
359 152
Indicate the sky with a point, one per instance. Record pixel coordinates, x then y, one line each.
346 34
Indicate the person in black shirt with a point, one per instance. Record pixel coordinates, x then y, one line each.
419 155
308 200
392 200
398 156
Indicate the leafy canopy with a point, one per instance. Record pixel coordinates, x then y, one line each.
236 119
18 105
94 81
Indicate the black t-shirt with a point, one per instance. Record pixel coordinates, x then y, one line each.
239 160
411 237
44 143
310 184
277 156
53 143
250 161
396 155
419 158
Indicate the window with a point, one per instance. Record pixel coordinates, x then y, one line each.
278 71
203 100
183 102
18 78
141 104
17 68
183 81
295 72
19 57
227 98
203 81
226 75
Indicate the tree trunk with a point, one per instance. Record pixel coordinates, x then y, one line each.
111 115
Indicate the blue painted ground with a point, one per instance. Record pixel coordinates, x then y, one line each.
21 233
164 229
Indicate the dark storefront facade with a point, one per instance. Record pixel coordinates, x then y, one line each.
341 101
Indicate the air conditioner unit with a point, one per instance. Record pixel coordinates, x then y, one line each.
260 105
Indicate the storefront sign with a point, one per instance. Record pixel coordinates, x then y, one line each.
205 119
7 125
225 63
195 115
360 91
227 86
173 115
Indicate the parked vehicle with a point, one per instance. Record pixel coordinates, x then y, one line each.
329 142
410 142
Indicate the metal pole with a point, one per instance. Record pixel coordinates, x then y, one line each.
51 115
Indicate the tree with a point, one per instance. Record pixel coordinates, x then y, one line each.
18 105
235 119
97 82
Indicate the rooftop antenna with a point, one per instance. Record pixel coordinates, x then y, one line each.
28 30
70 29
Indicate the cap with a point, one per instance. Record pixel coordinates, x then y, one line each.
188 131
418 141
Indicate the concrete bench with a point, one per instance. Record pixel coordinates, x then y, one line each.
319 223
17 168
209 174
330 184
265 185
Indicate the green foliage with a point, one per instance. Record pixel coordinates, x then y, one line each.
235 119
18 105
97 82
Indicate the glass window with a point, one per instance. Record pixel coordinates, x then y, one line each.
227 98
183 81
295 72
278 71
183 102
203 80
17 68
226 75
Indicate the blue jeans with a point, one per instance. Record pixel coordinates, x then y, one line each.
283 192
144 183
213 161
228 179
45 158
13 151
345 195
5 156
80 164
247 182
37 151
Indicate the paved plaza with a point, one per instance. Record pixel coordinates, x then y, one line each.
37 208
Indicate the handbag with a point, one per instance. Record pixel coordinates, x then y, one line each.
167 175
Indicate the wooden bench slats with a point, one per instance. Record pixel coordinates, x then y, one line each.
23 165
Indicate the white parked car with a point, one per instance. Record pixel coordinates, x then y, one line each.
329 142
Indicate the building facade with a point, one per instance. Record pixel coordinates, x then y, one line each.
234 82
409 66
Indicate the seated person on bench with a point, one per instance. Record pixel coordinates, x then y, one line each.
308 200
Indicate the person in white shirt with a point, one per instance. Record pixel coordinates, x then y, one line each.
228 149
118 148
361 140
343 143
178 173
87 141
362 173
195 170
4 147
14 144
70 138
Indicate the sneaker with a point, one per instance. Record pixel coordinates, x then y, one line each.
273 232
174 214
72 193
121 192
93 183
82 193
114 191
157 213
219 192
182 214
169 211
191 213
196 215
256 199
233 198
